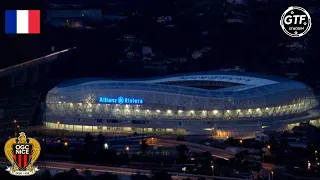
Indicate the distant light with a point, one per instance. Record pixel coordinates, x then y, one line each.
106 146
127 148
65 143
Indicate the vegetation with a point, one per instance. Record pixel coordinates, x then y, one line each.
73 174
182 153
92 151
180 138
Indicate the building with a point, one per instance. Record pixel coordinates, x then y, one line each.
225 103
74 18
262 137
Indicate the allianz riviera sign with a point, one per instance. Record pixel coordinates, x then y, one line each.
120 100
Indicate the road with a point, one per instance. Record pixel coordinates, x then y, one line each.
42 60
114 170
216 152
272 167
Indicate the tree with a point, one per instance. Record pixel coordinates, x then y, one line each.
204 163
180 138
101 140
206 159
88 139
160 176
107 176
144 146
182 149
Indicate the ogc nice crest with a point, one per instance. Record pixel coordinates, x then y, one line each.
22 152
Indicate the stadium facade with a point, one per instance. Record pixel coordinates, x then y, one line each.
228 103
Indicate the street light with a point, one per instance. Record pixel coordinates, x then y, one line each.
127 148
269 147
15 121
212 168
241 142
271 175
65 143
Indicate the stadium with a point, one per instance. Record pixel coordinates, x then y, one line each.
205 103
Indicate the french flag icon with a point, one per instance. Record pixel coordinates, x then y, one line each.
22 21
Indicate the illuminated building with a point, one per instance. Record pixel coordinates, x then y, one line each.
197 103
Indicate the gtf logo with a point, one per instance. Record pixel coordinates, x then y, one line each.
295 21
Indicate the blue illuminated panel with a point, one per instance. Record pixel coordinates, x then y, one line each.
120 100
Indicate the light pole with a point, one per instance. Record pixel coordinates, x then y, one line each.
58 123
212 168
66 145
263 153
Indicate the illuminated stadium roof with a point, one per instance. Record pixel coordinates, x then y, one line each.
249 84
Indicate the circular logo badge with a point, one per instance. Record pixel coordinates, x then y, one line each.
295 21
120 100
